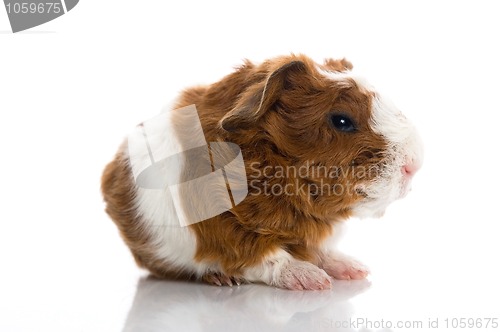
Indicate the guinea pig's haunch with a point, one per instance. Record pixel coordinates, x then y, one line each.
319 145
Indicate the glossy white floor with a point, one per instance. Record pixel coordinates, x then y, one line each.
71 89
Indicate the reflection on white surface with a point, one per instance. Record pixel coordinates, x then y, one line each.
161 305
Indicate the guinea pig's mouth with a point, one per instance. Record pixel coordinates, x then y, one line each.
405 189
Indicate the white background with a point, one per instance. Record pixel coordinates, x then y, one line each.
71 89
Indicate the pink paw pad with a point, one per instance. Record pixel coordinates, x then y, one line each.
346 269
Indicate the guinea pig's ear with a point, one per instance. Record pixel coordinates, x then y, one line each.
260 97
338 65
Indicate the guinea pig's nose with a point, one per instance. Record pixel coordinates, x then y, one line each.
410 169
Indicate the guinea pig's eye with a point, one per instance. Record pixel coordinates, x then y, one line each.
342 123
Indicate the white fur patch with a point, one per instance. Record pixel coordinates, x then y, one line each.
331 243
268 270
174 244
404 147
346 77
388 121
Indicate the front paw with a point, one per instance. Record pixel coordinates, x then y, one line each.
298 275
345 268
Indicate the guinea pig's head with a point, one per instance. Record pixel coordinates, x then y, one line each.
328 138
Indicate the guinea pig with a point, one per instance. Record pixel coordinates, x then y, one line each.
319 144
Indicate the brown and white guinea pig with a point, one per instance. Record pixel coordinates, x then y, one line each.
319 145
